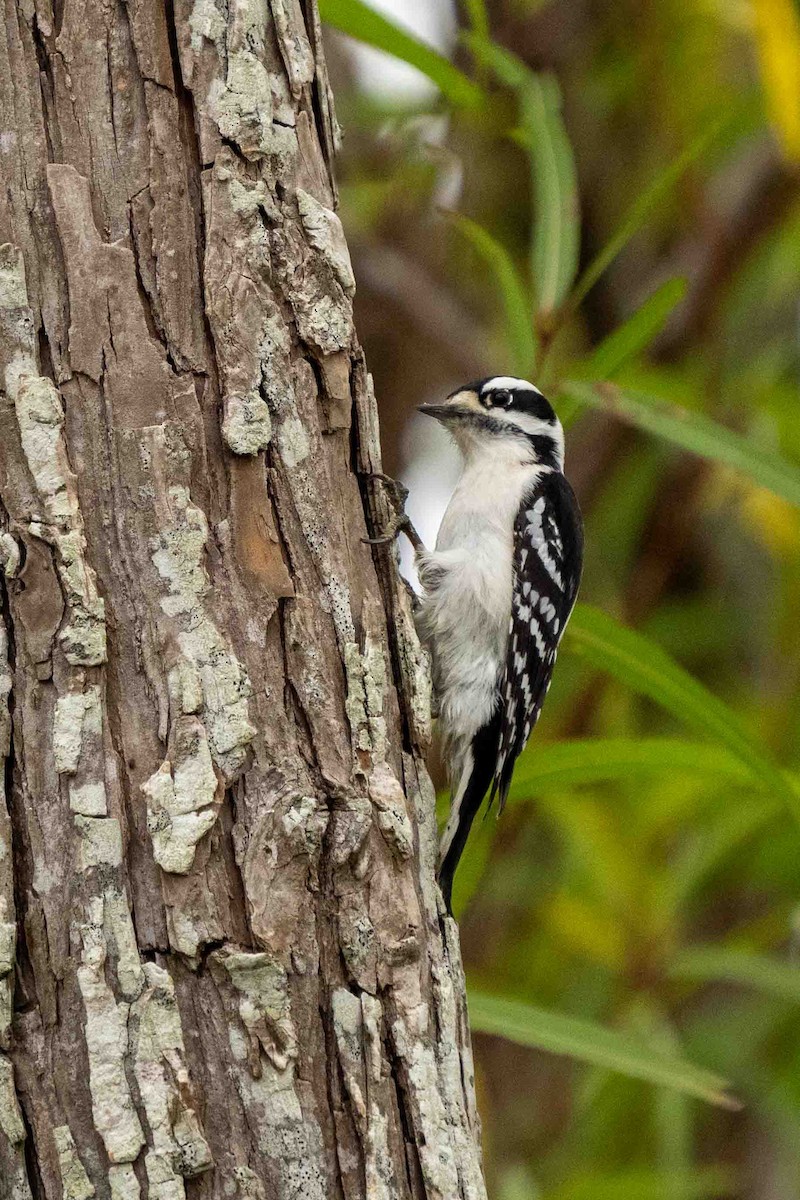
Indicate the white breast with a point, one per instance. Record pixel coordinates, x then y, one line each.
466 606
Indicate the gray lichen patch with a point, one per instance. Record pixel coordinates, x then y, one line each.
391 814
186 930
359 941
298 57
77 750
264 1006
415 665
293 444
433 1128
9 555
324 320
75 1183
365 674
41 425
205 21
247 427
357 1029
181 797
8 941
84 636
100 842
10 1116
17 333
324 231
41 420
8 947
179 1149
208 664
242 105
356 703
290 1136
108 931
123 1183
113 1110
13 291
113 913
77 715
348 1031
88 799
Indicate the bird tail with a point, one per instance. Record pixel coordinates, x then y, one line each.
474 780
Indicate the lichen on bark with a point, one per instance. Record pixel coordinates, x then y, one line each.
223 956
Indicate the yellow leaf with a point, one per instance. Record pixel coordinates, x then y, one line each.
777 30
774 521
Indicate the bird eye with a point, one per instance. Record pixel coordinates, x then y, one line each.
502 398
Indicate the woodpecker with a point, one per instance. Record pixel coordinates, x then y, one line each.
497 591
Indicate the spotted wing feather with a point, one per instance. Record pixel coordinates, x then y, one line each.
548 556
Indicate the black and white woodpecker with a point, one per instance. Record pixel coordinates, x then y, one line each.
498 590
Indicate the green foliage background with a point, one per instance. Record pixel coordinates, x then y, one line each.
627 233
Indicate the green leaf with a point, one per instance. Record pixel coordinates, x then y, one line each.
546 768
645 205
478 18
519 327
642 665
714 964
556 226
591 1043
570 764
636 334
362 22
556 234
723 834
694 432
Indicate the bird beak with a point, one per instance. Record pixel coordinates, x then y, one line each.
442 412
446 413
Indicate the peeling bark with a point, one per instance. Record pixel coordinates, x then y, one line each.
223 957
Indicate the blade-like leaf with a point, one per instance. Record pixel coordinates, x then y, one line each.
478 18
712 964
362 22
543 769
519 327
645 205
642 665
598 760
591 1043
724 834
556 227
556 232
637 332
694 432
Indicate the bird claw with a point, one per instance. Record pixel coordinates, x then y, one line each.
401 523
383 540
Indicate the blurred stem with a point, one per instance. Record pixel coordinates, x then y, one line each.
673 1118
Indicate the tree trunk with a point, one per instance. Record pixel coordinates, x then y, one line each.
223 957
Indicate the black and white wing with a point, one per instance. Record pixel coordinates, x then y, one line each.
548 558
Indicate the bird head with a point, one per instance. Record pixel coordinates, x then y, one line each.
502 414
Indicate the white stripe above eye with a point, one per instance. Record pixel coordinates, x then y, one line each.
534 426
508 381
528 423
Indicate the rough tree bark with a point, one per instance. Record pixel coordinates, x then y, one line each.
224 967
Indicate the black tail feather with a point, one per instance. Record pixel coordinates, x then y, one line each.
484 756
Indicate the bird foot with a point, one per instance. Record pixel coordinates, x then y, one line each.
400 522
